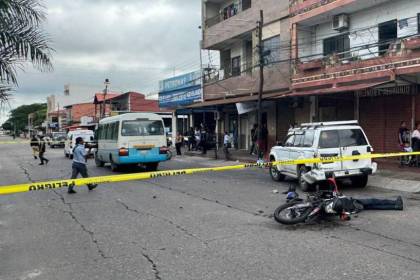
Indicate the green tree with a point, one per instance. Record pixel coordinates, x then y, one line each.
7 126
21 39
19 116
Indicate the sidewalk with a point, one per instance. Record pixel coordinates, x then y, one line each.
389 176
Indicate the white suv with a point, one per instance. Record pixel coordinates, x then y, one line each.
326 139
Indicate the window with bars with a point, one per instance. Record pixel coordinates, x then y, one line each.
337 45
271 47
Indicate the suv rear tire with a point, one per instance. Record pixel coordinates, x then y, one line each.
304 186
276 175
359 181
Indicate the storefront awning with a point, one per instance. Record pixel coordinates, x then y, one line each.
331 90
233 100
187 111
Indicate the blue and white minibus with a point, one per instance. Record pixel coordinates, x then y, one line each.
132 139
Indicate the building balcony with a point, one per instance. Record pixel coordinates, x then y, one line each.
358 67
276 79
312 12
302 6
219 28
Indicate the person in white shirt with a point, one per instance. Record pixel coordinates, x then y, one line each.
415 139
226 145
416 132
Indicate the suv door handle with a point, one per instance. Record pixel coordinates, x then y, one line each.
355 153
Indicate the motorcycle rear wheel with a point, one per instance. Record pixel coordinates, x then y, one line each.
281 215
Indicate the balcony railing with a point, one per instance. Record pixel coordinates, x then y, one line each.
303 6
215 74
226 14
367 58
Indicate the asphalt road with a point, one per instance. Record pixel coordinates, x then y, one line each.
205 226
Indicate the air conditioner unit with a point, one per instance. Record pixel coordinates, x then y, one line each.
341 22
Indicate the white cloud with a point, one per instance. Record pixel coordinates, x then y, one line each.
135 43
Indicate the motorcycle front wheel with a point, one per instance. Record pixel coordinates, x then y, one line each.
291 213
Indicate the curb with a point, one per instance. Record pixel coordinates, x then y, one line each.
394 184
377 181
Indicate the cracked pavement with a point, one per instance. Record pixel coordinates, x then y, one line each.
205 226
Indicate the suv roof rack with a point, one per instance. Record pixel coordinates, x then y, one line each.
354 122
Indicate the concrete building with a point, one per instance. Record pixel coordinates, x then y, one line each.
357 59
231 87
103 104
80 114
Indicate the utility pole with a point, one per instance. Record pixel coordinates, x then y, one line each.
104 101
260 47
58 116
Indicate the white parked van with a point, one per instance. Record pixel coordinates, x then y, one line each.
87 135
132 139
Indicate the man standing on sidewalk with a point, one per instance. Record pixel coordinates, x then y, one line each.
79 164
254 136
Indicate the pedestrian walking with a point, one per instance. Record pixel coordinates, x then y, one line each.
79 164
35 146
179 139
42 150
254 136
227 144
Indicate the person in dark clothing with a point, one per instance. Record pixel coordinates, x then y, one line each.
254 136
179 139
403 135
203 141
35 147
263 142
191 139
42 149
381 204
79 164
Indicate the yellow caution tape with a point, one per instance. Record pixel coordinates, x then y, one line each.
56 184
14 142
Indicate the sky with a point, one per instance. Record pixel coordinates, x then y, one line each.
134 43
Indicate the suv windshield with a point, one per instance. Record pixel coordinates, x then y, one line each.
341 138
142 128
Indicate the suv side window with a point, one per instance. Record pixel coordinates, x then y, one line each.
352 137
289 141
329 139
308 141
298 140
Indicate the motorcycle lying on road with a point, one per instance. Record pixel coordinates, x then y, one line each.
326 201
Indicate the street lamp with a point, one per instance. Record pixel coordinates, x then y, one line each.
105 93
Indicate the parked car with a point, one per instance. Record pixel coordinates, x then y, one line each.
327 139
88 137
58 139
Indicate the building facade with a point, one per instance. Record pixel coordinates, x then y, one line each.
357 59
80 115
231 82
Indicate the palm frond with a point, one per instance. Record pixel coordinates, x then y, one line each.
29 11
4 95
22 39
